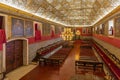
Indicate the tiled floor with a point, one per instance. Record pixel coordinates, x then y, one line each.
64 72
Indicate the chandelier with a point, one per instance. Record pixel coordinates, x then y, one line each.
67 34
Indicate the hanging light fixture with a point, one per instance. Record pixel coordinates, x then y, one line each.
67 34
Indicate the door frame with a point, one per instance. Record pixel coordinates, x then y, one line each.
25 52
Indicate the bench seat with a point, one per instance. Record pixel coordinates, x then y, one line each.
112 66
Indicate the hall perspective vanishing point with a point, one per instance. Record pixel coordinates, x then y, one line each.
59 39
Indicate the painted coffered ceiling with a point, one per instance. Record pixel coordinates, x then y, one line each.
67 12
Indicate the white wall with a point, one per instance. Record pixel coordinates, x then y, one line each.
34 47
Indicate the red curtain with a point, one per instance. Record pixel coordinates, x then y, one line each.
2 36
1 47
37 33
52 33
2 33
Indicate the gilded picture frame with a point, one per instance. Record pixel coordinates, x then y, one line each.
17 27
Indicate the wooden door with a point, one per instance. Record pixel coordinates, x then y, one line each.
14 55
9 56
18 53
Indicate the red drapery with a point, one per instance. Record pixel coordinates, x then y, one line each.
37 33
52 33
1 47
2 38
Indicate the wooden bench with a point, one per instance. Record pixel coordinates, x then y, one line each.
57 58
88 64
86 46
52 62
47 61
112 66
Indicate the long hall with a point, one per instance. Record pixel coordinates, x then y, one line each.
59 39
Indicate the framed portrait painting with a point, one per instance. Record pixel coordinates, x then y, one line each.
84 30
28 28
46 29
17 27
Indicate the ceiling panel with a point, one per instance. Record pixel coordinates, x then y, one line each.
67 12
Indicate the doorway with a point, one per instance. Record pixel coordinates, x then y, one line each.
14 55
2 22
